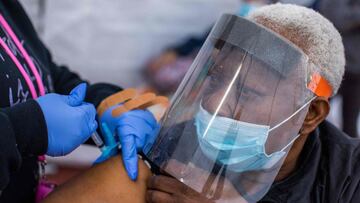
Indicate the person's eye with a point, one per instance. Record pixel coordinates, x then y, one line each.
249 92
245 92
216 80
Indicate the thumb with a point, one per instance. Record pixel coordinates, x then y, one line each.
77 95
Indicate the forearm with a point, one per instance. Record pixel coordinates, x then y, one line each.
22 133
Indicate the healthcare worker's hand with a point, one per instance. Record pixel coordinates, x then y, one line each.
136 131
70 121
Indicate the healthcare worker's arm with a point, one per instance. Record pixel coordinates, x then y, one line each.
105 182
135 130
22 131
79 116
52 124
342 13
63 79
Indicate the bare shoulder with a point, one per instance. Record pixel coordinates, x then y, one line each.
106 182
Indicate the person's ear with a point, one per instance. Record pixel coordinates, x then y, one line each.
318 111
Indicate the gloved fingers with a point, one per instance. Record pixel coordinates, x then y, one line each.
77 95
138 134
129 154
106 115
88 113
144 138
137 126
144 115
139 142
89 110
93 126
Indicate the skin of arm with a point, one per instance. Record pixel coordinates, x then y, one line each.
105 182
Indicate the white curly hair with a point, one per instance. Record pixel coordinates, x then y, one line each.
311 32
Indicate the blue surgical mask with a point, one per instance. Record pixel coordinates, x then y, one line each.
239 145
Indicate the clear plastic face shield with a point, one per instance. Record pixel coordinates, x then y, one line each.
237 112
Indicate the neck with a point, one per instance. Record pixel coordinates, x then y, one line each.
291 162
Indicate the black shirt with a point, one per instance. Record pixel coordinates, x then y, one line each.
329 170
23 131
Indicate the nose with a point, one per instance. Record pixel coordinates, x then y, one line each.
227 109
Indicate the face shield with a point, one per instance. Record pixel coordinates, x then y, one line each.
237 112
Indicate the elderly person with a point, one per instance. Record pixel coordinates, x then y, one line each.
260 132
248 122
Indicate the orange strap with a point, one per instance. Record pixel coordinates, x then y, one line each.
114 99
319 86
158 100
130 101
133 104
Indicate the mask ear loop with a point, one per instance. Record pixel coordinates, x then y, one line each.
290 117
294 114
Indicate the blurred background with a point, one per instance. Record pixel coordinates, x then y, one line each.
112 40
150 44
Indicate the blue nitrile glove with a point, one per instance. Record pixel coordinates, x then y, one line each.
136 130
70 121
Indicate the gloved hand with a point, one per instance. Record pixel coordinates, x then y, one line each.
70 121
136 131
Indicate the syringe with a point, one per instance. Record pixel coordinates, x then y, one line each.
97 139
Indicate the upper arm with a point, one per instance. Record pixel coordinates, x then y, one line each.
106 182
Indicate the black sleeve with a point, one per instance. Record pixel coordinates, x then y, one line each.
64 80
344 15
23 132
